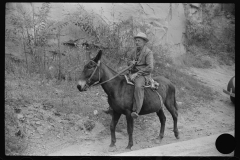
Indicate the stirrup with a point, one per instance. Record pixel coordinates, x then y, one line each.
134 115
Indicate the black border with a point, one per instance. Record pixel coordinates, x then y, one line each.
2 152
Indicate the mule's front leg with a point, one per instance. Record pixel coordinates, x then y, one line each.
115 118
130 130
162 119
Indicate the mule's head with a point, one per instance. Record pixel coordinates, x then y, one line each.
90 73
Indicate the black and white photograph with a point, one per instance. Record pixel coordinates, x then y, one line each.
119 79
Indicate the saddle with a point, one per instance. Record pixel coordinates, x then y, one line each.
149 82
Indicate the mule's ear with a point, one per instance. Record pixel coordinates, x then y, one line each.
98 56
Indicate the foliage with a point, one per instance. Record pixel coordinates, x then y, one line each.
116 39
199 32
29 29
216 39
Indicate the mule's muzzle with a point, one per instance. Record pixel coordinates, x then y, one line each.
79 88
82 86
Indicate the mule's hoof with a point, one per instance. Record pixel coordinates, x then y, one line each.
112 149
128 148
177 136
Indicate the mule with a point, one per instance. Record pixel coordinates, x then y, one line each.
121 95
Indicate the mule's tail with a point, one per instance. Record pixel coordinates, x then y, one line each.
175 102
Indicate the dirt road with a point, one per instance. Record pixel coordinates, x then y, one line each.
204 146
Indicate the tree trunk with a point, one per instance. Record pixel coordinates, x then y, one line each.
221 6
29 42
34 29
25 50
59 55
44 59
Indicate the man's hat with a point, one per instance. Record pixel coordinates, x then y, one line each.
141 35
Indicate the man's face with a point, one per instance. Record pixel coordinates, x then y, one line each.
139 42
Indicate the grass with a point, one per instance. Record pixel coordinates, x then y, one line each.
197 62
63 96
188 87
197 57
226 58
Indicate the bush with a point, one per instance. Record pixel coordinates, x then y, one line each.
15 66
197 32
215 39
89 125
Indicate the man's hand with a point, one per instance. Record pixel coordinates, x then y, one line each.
133 76
131 62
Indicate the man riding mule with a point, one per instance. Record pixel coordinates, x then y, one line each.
142 61
121 95
143 67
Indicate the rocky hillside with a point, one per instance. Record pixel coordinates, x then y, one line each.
45 116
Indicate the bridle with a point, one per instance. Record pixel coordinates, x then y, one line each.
89 79
98 82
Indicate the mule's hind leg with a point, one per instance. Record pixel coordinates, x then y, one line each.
129 129
115 118
171 107
162 119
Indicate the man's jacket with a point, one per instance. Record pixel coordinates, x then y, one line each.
144 64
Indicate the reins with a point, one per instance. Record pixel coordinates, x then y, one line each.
97 83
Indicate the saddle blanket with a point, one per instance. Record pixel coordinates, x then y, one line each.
151 83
